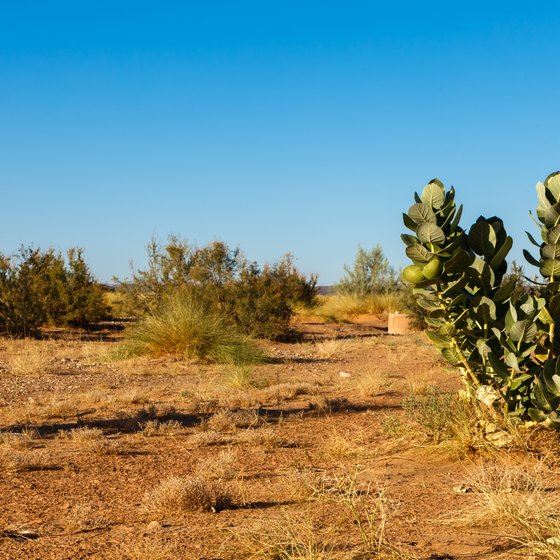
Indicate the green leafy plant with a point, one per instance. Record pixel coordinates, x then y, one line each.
506 347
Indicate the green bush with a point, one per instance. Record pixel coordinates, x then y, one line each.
186 328
371 274
38 287
256 301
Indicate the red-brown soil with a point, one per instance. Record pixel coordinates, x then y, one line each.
62 498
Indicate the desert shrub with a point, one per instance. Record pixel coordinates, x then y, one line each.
186 328
257 301
370 274
38 287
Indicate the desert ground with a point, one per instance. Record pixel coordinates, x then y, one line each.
349 444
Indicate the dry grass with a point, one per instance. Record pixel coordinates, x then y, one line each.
209 437
338 446
30 357
153 428
12 460
92 440
221 466
82 517
332 347
517 498
373 382
230 421
266 437
25 439
179 495
344 308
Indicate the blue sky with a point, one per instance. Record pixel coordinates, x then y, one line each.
300 127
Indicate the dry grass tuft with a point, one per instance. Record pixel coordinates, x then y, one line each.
331 347
25 439
82 517
328 405
12 460
373 383
92 440
518 498
178 495
30 357
208 437
267 437
152 428
230 421
220 466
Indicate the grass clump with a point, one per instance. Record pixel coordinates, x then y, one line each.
346 307
178 495
184 328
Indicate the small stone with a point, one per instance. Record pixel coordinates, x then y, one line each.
345 374
153 527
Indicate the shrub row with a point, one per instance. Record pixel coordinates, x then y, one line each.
257 301
42 287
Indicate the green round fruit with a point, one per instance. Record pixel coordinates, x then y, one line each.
432 269
413 274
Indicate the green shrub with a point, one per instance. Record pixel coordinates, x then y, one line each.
186 328
38 287
256 301
371 274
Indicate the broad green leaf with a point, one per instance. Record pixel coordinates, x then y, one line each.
550 251
422 214
553 306
544 203
430 233
451 355
441 341
433 195
483 348
498 366
457 219
486 310
482 238
552 184
553 235
419 254
505 290
427 304
550 268
524 331
552 215
502 253
458 263
545 317
511 361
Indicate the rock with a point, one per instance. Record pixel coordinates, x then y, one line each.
345 374
153 527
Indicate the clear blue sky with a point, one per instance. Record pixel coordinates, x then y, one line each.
278 126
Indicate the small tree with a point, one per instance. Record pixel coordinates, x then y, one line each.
371 274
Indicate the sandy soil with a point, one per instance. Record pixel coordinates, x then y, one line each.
316 451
